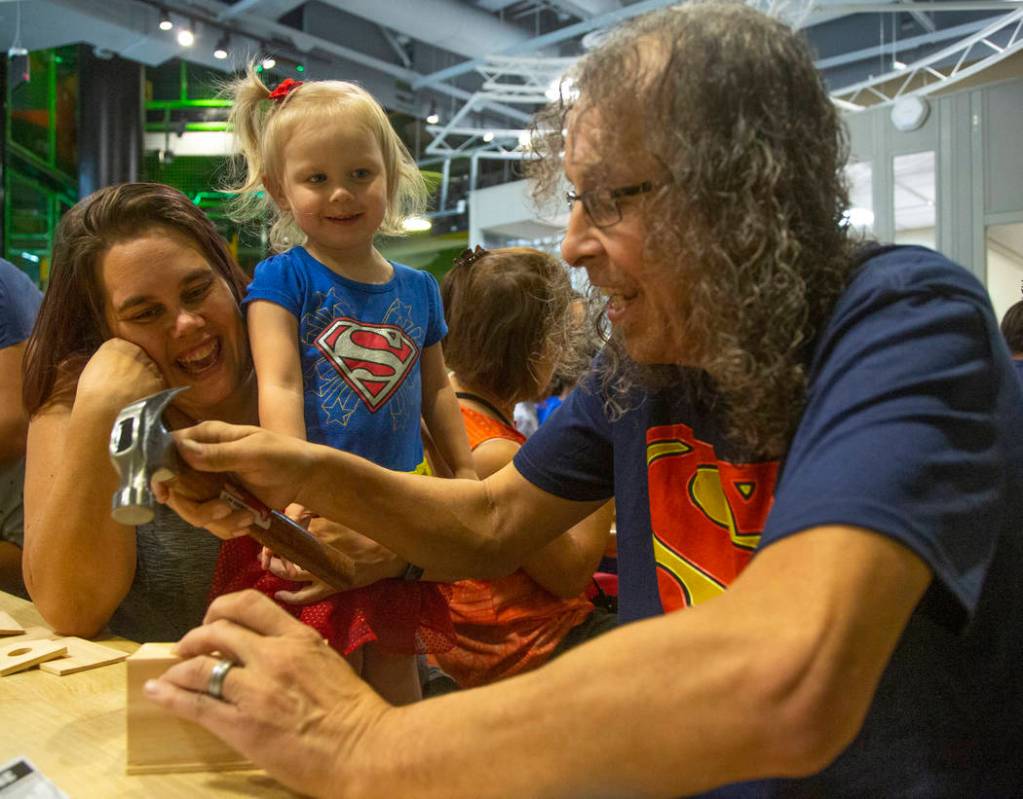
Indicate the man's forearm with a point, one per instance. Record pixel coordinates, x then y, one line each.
596 722
446 525
772 678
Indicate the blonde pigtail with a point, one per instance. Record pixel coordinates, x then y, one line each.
249 118
407 188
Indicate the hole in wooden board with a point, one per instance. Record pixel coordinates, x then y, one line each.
20 651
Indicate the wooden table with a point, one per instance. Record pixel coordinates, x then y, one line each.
72 729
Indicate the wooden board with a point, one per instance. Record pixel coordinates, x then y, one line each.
73 730
8 626
20 656
33 633
82 655
157 740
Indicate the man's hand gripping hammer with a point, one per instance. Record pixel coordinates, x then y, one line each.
142 448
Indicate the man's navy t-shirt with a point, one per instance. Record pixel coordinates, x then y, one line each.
913 428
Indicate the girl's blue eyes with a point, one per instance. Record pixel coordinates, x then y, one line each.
358 174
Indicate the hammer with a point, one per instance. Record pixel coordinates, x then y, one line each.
142 449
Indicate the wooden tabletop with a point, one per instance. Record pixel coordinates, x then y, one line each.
72 729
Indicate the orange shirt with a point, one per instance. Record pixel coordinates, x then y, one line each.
509 625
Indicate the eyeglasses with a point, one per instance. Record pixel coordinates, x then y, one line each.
602 206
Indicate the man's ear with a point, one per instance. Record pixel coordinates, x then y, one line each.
273 188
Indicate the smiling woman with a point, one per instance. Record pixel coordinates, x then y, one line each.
182 313
143 295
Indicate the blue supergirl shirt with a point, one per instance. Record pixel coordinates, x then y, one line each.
913 428
360 345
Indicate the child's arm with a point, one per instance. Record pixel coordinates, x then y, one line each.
566 565
441 414
273 338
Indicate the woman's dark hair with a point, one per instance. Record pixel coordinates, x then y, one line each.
1012 328
71 325
506 309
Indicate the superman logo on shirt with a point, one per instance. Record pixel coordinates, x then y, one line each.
707 514
373 359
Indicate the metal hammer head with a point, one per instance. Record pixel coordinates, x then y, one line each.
141 448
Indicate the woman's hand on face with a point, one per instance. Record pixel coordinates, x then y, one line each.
290 704
272 466
117 374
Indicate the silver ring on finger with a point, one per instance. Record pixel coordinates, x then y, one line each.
215 687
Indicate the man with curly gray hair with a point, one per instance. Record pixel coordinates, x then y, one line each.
816 451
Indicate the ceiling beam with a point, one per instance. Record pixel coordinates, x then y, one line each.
306 42
586 9
447 24
924 20
930 6
396 46
494 5
909 43
272 9
437 79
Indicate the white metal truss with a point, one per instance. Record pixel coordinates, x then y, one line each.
993 43
512 80
531 82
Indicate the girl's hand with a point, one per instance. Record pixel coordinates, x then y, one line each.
370 562
117 374
299 514
313 590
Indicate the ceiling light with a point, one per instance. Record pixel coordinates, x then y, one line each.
433 117
896 64
269 62
416 224
488 136
223 48
186 37
165 20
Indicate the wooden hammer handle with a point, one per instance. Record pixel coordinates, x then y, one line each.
291 540
272 529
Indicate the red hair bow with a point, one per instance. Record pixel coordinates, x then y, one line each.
284 88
